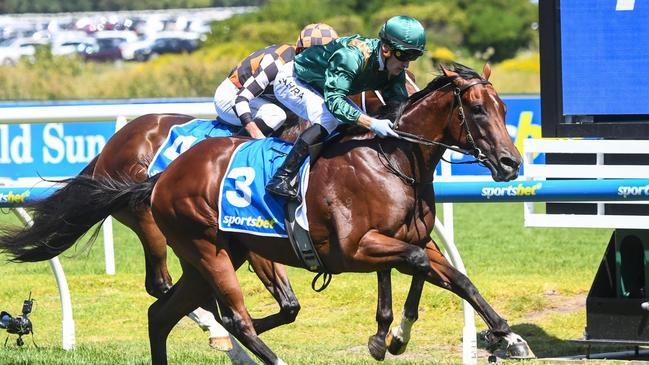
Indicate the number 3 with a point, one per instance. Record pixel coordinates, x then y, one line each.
242 196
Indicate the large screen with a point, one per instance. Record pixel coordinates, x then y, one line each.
594 58
605 56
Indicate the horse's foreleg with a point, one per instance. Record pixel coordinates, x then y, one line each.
399 337
444 275
448 277
274 278
384 317
376 249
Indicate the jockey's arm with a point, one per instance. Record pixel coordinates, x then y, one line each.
253 87
364 120
343 67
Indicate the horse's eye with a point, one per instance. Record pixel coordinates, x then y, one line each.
477 109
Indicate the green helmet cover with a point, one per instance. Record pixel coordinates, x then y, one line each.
403 33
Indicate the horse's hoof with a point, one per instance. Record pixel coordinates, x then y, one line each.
520 350
221 343
395 344
377 348
492 358
490 341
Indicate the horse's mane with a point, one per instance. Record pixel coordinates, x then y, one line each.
394 110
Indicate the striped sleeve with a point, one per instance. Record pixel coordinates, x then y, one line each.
255 85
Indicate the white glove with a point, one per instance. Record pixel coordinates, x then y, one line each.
383 128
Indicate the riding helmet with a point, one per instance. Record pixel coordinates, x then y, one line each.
403 33
315 34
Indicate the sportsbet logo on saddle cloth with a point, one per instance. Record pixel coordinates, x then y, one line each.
183 136
244 205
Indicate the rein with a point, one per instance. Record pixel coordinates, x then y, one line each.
474 151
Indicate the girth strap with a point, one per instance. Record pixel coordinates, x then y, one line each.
303 247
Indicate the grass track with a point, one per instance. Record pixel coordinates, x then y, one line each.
527 274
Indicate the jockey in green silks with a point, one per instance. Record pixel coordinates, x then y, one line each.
316 84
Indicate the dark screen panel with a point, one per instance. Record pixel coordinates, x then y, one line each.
603 55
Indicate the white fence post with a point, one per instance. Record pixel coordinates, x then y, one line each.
445 231
109 248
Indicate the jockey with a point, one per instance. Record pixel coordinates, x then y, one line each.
245 98
315 87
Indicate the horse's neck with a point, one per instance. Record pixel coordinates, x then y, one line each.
426 119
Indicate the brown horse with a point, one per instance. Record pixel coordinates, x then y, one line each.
349 225
399 173
377 241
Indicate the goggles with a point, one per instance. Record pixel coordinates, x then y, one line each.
407 55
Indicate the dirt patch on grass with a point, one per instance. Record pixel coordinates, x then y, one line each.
558 304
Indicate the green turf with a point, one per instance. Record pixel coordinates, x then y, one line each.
525 273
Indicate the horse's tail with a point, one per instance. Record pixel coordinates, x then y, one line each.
62 218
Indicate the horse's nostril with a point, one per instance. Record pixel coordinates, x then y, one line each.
508 161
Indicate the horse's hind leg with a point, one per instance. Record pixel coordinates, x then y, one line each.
157 280
187 294
274 278
219 272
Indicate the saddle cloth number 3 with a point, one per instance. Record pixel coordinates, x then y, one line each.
242 196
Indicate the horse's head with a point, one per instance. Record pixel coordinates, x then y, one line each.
463 109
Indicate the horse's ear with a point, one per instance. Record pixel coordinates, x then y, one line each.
486 71
448 73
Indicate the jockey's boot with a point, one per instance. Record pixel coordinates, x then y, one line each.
284 182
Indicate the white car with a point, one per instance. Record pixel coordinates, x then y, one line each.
12 50
71 46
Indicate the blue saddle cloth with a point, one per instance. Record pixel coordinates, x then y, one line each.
244 204
183 136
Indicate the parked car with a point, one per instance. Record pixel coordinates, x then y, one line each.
12 50
71 47
166 45
107 48
130 48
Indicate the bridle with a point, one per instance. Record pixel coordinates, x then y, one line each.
473 150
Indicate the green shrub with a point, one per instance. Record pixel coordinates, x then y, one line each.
347 24
499 27
276 32
444 22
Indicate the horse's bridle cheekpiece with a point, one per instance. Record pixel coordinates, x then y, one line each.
478 155
457 100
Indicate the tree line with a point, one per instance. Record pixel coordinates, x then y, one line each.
492 30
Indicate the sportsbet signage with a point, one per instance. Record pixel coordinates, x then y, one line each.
58 149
